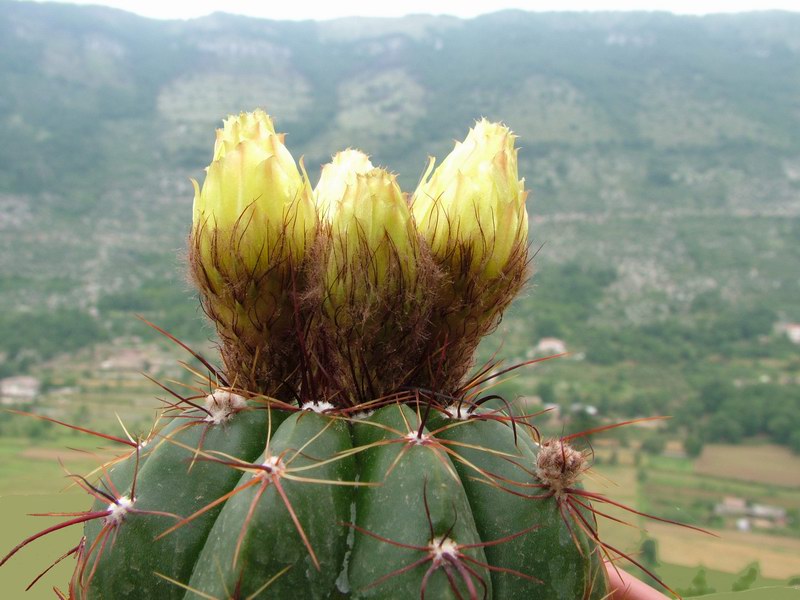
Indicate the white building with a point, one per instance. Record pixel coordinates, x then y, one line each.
792 331
747 516
21 389
550 345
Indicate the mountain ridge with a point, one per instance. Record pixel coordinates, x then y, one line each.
664 147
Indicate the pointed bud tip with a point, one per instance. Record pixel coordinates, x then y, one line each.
256 126
457 206
336 177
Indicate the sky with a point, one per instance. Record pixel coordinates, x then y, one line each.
317 9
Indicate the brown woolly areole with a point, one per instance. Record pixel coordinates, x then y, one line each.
559 465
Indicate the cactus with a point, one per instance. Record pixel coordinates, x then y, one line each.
342 451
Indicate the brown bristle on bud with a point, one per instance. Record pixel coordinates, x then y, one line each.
471 212
559 465
253 314
465 310
372 283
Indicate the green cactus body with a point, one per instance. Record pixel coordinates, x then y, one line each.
556 552
256 537
171 479
418 501
320 507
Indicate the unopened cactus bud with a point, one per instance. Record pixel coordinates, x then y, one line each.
336 176
374 242
254 201
471 211
254 221
371 285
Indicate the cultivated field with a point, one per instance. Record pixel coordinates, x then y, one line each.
732 551
675 486
768 464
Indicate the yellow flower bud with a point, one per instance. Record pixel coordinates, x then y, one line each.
471 209
254 202
371 281
254 222
254 126
374 242
336 176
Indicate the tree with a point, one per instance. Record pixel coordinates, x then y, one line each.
654 444
699 585
724 427
582 419
794 442
746 578
693 445
648 552
714 393
547 392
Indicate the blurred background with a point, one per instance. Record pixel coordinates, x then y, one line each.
663 154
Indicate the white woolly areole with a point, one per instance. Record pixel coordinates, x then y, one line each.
222 405
272 465
364 414
457 411
441 548
317 407
418 440
117 510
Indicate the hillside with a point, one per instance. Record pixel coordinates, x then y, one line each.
663 153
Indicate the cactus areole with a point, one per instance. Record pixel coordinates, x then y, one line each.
343 450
